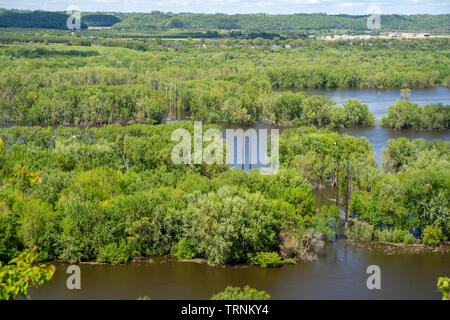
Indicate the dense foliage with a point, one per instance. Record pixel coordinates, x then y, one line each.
99 20
111 193
405 115
266 259
225 81
411 194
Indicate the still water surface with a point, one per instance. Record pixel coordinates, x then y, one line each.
338 273
378 103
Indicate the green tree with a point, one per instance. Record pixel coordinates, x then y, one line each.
21 273
444 287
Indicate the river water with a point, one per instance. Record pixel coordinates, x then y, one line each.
339 272
378 101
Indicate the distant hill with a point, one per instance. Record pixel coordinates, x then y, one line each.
100 20
265 22
249 22
34 19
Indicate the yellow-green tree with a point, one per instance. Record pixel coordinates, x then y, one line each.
21 273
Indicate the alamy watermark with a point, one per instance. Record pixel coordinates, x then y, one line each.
74 281
374 281
374 20
74 20
236 140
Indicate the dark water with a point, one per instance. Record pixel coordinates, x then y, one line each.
378 136
379 100
338 273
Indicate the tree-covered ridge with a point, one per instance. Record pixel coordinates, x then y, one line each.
410 196
266 22
99 20
248 22
34 19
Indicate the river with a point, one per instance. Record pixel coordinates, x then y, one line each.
339 272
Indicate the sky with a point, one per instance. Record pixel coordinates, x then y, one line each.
239 6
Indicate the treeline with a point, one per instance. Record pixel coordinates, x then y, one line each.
405 115
99 20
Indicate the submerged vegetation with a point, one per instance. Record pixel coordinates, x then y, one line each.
411 194
79 186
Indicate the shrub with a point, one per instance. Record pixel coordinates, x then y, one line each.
432 235
395 236
409 238
236 293
265 259
184 249
360 231
444 286
114 253
289 260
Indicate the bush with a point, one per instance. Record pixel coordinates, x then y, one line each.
444 287
236 293
114 253
360 231
265 259
395 236
289 260
226 225
184 249
432 235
